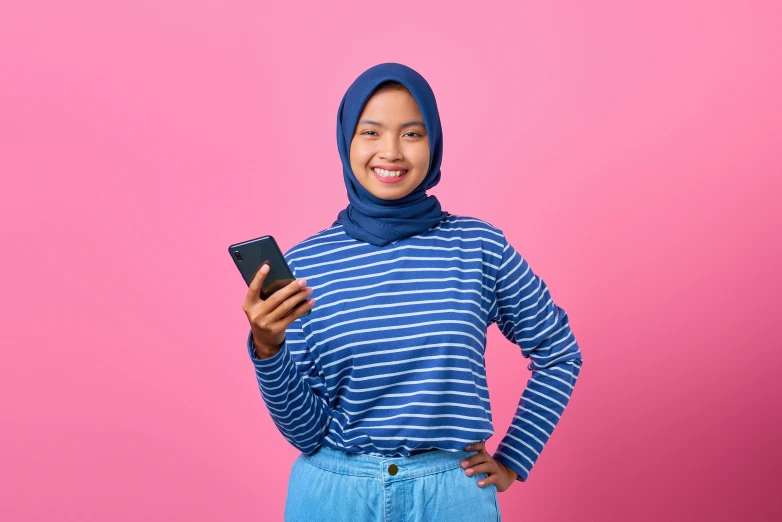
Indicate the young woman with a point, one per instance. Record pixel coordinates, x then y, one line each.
382 387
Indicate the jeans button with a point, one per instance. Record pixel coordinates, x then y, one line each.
392 469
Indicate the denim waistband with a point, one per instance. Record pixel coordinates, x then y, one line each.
388 469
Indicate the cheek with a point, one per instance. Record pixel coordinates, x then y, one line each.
422 159
360 156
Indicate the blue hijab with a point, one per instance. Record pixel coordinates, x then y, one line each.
369 218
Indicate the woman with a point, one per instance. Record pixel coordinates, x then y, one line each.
382 387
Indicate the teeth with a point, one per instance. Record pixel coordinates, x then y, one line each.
387 173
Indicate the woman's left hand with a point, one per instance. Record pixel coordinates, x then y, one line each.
500 475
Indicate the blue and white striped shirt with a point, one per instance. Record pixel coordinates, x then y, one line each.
391 360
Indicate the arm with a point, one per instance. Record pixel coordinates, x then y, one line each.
294 390
527 316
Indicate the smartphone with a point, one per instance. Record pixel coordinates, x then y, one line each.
248 257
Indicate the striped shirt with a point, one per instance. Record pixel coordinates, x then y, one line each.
391 360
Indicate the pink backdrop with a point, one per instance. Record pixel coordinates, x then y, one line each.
631 151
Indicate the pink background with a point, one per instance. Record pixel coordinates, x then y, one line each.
631 151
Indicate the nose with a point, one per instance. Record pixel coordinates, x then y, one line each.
391 149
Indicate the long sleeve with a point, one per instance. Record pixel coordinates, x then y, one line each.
527 316
294 390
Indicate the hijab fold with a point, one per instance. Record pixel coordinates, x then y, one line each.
369 218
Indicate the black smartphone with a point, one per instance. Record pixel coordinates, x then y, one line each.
248 257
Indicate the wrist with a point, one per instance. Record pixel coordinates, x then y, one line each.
265 354
264 351
512 473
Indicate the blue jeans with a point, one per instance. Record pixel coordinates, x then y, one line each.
333 486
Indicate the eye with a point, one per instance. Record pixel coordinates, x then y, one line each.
411 132
368 131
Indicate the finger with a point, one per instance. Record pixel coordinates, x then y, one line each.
484 467
491 479
297 312
254 290
293 307
288 304
282 294
473 461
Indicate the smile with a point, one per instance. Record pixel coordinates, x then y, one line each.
389 176
387 173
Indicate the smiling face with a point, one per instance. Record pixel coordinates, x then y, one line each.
390 138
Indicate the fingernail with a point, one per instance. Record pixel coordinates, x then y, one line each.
264 269
302 282
480 483
463 464
469 472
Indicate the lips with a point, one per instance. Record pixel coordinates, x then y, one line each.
389 179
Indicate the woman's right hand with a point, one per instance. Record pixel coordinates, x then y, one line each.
266 317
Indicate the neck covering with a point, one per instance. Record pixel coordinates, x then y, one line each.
369 218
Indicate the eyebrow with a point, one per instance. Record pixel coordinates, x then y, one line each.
408 124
